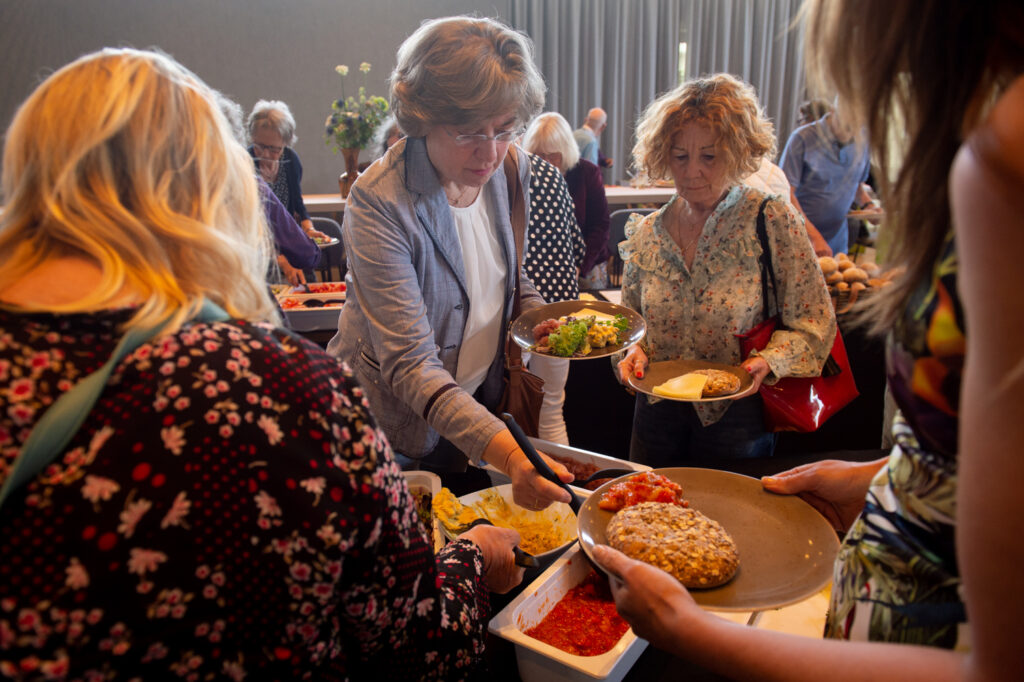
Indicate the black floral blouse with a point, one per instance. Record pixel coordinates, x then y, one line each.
555 245
228 510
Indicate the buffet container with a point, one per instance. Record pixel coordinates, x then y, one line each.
311 319
427 483
586 457
540 662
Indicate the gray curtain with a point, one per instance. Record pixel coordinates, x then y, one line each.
751 39
615 54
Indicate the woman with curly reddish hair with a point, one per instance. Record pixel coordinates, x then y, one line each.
692 270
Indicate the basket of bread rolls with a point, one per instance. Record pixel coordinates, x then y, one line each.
849 282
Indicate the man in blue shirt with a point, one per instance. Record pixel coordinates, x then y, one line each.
587 138
827 168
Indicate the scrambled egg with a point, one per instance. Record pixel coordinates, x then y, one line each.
600 335
539 531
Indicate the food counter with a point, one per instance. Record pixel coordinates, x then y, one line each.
806 617
619 196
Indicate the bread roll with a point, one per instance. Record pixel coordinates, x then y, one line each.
834 277
845 265
855 275
828 265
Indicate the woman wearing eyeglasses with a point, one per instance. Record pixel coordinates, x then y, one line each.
271 129
432 262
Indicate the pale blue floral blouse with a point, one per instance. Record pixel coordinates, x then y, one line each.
696 313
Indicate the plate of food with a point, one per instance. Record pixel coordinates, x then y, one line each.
578 330
756 550
697 381
323 243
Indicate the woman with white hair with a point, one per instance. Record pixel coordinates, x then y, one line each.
271 129
550 137
214 501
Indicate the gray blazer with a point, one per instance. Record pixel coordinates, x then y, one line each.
402 325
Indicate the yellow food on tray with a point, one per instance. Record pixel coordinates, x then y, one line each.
539 531
688 386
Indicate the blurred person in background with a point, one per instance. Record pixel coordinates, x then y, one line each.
209 518
551 138
271 129
588 138
927 581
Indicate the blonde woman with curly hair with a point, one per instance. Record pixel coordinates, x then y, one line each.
692 270
222 458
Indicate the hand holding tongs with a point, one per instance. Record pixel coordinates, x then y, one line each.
538 462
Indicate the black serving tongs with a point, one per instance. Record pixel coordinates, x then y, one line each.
522 558
538 462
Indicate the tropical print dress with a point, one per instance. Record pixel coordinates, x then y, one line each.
228 510
896 577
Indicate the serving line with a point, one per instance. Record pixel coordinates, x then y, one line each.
618 196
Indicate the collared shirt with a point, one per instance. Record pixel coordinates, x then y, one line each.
586 140
825 176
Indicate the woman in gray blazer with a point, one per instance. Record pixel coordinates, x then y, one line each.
432 263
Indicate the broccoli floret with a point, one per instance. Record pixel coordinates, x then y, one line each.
566 339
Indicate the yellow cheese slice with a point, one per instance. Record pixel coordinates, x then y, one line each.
685 387
599 317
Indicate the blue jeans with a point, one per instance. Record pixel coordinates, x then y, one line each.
669 433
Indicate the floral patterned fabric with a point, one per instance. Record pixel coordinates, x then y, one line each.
228 510
897 577
695 313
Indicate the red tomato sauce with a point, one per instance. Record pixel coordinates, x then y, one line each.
584 622
645 487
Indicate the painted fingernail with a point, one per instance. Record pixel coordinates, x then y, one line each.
639 374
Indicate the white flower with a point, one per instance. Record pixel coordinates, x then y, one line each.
98 488
341 69
143 561
365 67
77 576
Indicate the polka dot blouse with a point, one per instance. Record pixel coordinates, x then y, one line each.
555 244
228 510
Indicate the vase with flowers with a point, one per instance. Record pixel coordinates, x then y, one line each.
352 123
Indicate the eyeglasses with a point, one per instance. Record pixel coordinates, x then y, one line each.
267 148
504 137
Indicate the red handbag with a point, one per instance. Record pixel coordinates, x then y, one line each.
796 403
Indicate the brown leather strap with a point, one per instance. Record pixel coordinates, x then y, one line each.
517 215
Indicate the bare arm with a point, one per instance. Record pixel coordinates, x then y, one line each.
988 202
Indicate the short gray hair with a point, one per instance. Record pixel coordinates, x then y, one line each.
463 71
275 115
550 133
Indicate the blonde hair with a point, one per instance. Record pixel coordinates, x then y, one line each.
550 133
891 63
123 158
462 71
724 103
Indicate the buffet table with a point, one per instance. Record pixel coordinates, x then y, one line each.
805 618
618 197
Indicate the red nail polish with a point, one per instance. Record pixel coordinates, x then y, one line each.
639 374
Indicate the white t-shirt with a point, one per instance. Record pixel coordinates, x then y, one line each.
484 262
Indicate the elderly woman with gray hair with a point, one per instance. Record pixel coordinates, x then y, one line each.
432 261
271 129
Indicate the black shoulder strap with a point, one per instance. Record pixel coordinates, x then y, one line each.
767 271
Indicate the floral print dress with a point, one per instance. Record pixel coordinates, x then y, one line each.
228 510
896 577
695 313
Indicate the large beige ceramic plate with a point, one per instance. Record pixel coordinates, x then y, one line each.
660 372
786 548
522 327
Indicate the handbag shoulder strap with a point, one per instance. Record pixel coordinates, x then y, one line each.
767 271
65 416
517 215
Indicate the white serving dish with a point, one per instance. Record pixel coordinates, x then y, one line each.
559 511
425 481
586 457
540 662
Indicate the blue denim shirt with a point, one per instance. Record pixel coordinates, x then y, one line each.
402 325
825 176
